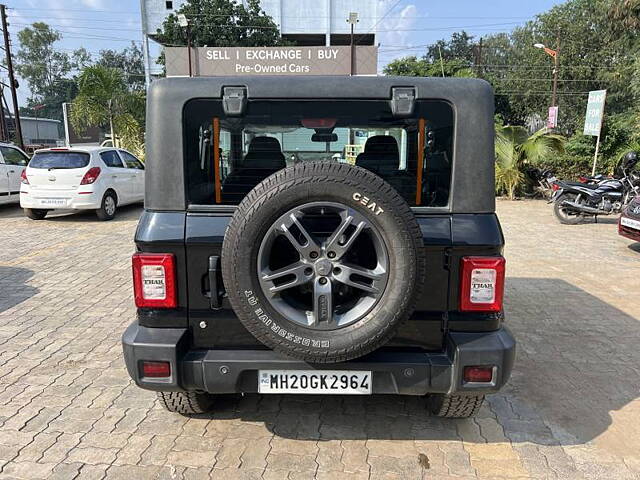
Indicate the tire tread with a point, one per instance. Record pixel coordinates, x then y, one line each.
455 406
185 403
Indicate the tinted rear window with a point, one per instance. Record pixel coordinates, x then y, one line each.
275 134
59 160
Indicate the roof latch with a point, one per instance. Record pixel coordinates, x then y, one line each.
234 100
402 101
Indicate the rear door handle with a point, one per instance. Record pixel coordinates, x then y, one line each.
215 301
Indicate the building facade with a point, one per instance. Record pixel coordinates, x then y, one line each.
304 22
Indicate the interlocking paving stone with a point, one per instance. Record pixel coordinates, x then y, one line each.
69 411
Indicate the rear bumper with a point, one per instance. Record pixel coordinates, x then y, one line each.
631 229
394 372
60 199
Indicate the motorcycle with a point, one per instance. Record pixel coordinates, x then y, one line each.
541 181
575 200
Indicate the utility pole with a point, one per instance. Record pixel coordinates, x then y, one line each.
4 131
478 49
12 78
353 19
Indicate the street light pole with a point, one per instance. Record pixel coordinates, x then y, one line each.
183 21
353 19
556 65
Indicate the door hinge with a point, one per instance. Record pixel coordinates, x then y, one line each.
447 259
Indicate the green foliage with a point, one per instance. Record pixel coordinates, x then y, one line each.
44 67
222 23
452 57
516 149
130 60
567 166
599 48
105 100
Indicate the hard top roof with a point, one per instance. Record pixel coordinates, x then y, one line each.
471 99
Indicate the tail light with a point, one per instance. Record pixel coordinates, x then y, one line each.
582 179
479 374
154 280
156 369
23 177
481 284
91 176
555 187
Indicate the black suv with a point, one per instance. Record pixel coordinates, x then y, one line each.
320 235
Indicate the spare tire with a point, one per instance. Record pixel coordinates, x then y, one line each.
323 261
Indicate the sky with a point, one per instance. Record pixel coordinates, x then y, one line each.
406 26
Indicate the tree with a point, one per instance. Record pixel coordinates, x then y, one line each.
516 149
130 60
45 68
452 58
104 100
222 23
40 63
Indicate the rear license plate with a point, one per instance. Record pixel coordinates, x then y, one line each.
631 223
52 202
341 382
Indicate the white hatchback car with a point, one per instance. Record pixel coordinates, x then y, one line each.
13 161
81 178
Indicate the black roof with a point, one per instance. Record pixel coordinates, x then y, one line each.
472 100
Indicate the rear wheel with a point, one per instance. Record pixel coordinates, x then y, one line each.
108 208
567 216
186 403
35 213
454 406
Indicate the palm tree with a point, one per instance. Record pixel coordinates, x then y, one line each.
515 148
105 100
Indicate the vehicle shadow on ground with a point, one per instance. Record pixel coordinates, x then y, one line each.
11 211
125 213
13 287
576 362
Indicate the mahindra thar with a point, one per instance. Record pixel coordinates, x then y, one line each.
319 235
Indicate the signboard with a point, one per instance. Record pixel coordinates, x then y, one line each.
595 112
91 136
552 120
226 61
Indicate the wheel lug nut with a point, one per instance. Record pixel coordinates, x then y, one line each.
323 280
313 254
331 254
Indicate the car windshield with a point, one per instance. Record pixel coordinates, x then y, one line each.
61 160
227 156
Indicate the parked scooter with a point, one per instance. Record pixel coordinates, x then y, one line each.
575 200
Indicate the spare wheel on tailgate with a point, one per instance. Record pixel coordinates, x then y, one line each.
323 261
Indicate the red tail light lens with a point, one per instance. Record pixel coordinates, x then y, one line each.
91 176
478 374
555 187
481 284
154 280
156 369
23 177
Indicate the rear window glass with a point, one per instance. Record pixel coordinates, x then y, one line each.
59 160
412 154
